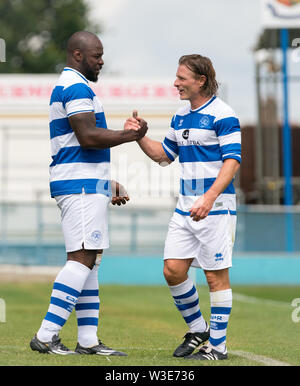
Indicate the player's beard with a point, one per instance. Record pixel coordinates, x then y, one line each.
88 72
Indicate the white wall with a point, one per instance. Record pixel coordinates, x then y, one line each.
25 145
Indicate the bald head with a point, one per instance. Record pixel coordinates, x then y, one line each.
84 53
82 40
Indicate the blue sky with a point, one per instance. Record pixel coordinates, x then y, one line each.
145 38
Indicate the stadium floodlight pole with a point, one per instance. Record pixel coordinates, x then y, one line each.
287 148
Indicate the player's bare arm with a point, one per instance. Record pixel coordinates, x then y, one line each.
153 149
203 205
89 136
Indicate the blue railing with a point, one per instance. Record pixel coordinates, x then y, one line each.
30 233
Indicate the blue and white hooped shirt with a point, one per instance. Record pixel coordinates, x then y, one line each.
203 139
74 169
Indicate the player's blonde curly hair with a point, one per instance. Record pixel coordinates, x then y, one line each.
201 65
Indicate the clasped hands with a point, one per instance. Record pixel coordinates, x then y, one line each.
139 125
136 123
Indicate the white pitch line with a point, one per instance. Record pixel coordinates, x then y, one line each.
259 358
248 355
254 300
243 354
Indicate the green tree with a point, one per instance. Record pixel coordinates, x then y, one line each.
36 33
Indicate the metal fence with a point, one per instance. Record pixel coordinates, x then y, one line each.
30 233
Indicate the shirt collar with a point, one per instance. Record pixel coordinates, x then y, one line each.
77 72
203 106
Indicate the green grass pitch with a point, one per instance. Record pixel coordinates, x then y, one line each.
143 321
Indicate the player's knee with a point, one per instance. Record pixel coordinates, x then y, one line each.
172 273
168 272
85 257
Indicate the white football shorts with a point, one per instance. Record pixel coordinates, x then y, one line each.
209 241
84 219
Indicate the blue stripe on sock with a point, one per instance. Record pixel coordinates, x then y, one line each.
192 317
66 289
216 342
218 325
182 307
221 310
87 321
89 292
87 306
186 295
55 319
62 303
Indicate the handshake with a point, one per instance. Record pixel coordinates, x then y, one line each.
137 126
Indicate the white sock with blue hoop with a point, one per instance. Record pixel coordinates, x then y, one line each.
221 304
187 302
87 310
66 290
